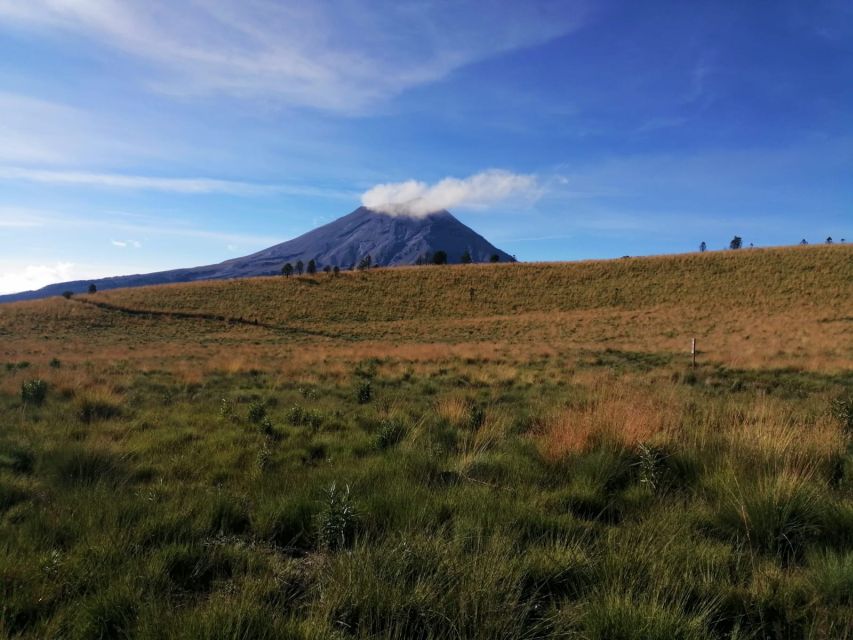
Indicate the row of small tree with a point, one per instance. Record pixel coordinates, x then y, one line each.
288 269
737 243
439 257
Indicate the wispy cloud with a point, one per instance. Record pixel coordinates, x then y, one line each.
324 54
415 198
123 244
174 185
123 223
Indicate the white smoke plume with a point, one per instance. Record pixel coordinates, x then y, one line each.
418 199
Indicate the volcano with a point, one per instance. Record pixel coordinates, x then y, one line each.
388 240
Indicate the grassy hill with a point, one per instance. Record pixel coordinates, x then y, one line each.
768 279
479 451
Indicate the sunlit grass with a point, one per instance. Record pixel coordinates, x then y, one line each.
543 465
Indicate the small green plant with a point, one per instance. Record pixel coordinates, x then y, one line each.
301 417
842 410
390 433
90 409
263 457
649 463
364 392
265 427
226 408
309 393
55 363
338 520
257 412
476 417
779 516
34 392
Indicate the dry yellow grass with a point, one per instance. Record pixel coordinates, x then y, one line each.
775 308
620 413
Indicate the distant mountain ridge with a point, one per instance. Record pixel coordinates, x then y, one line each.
388 240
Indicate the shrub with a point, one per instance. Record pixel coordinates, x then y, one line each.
620 617
10 495
337 522
55 363
226 408
34 391
266 428
300 417
17 459
649 464
98 407
257 412
109 613
832 576
390 433
364 392
842 410
779 516
228 516
476 417
289 524
85 466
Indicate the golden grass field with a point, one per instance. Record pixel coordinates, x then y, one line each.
526 449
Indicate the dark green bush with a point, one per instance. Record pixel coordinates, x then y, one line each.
228 516
390 433
778 517
82 465
300 417
108 613
34 392
257 412
842 410
17 459
337 522
364 392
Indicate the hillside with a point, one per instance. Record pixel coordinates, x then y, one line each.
784 306
477 451
759 279
388 240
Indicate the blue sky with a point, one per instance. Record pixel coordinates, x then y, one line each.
143 136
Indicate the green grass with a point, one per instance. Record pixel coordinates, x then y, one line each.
184 479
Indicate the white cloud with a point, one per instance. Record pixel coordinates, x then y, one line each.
328 54
173 185
26 277
123 244
121 181
415 198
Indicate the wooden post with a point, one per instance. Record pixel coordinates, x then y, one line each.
693 352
